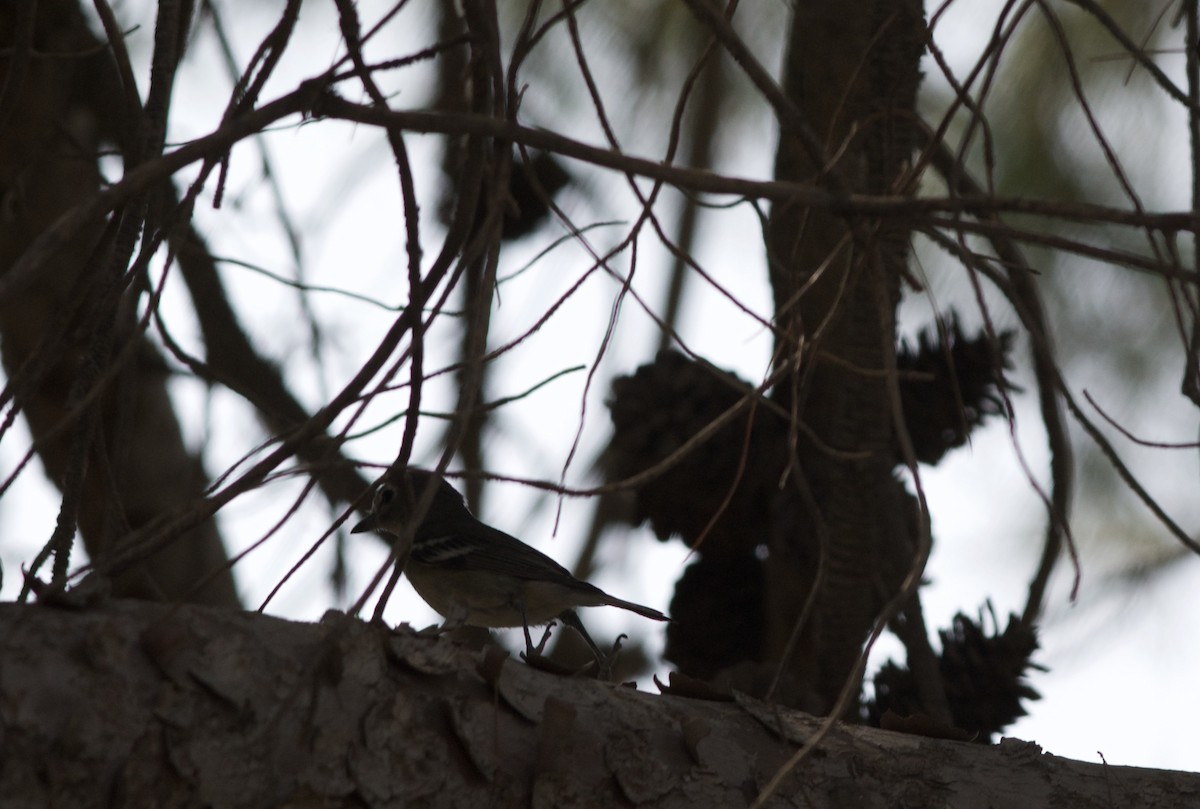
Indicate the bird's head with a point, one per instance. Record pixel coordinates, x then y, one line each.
396 500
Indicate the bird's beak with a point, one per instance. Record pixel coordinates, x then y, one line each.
369 523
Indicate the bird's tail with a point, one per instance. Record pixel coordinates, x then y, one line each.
645 612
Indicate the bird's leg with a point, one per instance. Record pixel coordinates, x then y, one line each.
604 662
545 637
537 650
533 655
531 650
571 618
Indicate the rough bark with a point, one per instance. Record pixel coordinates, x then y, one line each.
850 79
130 703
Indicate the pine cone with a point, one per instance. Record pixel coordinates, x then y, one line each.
655 412
959 387
718 615
983 675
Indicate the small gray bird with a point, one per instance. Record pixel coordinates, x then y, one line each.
474 574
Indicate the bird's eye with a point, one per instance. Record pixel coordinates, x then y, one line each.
386 495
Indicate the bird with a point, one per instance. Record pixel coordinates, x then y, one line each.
477 575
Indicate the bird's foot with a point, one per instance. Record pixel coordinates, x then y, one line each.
534 657
605 662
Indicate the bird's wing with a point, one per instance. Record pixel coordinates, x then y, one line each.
489 549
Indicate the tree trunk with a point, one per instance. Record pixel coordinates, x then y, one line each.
850 76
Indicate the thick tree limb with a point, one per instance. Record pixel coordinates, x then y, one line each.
152 705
